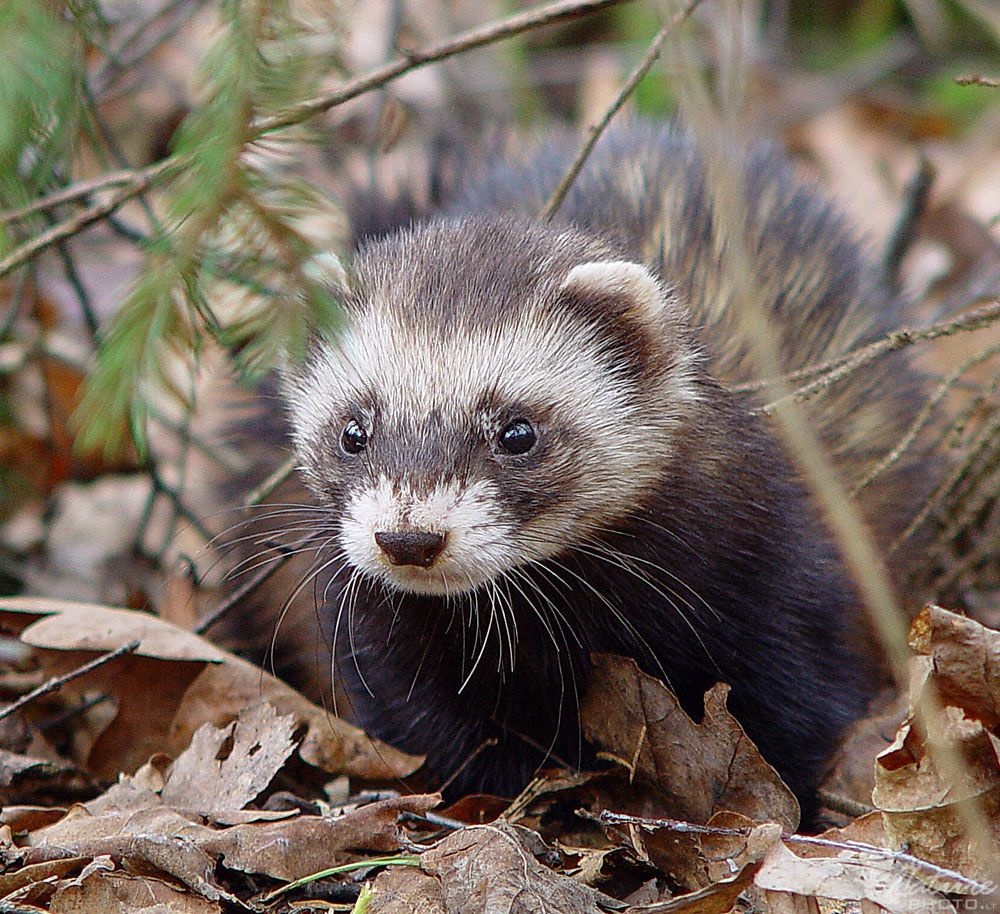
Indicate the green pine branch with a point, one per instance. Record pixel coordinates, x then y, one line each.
258 65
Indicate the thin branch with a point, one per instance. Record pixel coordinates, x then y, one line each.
837 368
74 192
595 130
971 886
175 14
139 182
975 80
976 319
985 439
983 551
285 552
549 14
57 682
925 415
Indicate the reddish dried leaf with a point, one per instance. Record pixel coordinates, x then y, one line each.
718 898
484 868
476 809
698 769
921 804
195 683
966 659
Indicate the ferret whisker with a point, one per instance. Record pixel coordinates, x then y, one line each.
485 640
509 623
271 542
318 568
353 587
627 557
220 537
318 540
617 613
257 560
562 656
558 615
671 598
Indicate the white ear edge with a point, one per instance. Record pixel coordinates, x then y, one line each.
619 277
326 268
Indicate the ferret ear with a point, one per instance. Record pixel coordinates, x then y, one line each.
639 290
327 269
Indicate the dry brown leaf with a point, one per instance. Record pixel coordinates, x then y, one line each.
67 635
103 892
195 683
699 769
329 743
37 872
867 829
130 821
224 769
293 848
155 837
850 876
26 818
484 868
966 659
718 898
730 854
920 804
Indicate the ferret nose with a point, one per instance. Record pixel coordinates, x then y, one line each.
410 547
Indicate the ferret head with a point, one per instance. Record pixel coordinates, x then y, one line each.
499 391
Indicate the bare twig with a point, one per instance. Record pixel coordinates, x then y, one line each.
285 553
843 804
841 366
71 193
980 446
138 45
57 682
976 80
975 319
984 551
953 878
413 59
922 419
139 181
595 130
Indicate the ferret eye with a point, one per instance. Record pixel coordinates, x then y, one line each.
354 438
518 438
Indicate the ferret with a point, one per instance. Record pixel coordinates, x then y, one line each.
524 446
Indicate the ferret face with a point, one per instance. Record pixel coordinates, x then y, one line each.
498 391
